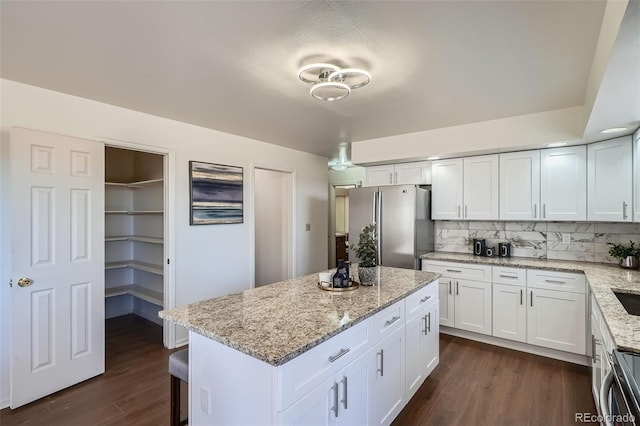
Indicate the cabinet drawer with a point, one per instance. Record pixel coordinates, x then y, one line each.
510 276
463 271
552 280
421 298
302 374
388 320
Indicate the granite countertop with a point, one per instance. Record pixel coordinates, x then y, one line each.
280 321
602 279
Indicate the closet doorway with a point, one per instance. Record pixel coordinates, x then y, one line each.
273 225
137 258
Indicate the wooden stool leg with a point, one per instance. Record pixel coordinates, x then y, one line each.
175 401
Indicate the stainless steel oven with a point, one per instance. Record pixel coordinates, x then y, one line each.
620 394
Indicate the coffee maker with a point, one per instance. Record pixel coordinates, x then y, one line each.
504 250
479 246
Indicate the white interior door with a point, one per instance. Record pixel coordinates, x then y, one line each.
57 220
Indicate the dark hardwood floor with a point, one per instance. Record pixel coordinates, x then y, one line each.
134 390
475 384
480 384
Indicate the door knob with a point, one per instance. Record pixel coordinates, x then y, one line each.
25 282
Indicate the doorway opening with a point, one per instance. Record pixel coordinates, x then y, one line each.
273 206
339 231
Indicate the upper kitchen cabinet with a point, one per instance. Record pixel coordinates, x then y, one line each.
416 173
636 176
446 195
609 183
480 178
520 185
563 183
465 188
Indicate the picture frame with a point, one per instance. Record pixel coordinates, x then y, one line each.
215 193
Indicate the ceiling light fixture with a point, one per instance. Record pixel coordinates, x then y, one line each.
556 144
613 130
331 82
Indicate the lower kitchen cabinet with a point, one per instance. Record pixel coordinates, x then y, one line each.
388 380
423 349
447 302
473 306
343 399
509 312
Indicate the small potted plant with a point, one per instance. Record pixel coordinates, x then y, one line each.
367 252
627 254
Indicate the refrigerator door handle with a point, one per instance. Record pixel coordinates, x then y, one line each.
374 202
379 227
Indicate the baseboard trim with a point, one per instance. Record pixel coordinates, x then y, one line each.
518 346
4 403
182 342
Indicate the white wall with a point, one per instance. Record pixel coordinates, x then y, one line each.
210 260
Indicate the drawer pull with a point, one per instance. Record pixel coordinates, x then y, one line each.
381 369
521 296
555 281
513 277
449 286
531 299
391 321
332 358
457 271
424 299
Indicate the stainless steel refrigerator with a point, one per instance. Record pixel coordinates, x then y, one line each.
402 215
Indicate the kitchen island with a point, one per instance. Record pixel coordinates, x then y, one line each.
291 352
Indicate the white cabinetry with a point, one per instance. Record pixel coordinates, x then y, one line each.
563 183
466 297
609 180
422 331
466 188
601 344
556 315
509 303
636 176
520 185
446 197
416 173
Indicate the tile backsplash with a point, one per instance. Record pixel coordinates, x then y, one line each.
543 240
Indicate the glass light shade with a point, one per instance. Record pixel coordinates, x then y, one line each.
330 91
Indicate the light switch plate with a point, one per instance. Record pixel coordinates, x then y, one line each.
566 239
308 227
204 400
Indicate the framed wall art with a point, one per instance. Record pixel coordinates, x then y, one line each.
215 193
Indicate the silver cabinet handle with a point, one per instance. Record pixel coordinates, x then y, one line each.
544 210
332 358
465 211
521 296
381 369
458 271
391 321
449 286
458 210
624 210
344 391
509 276
555 281
334 388
424 319
535 211
424 299
429 326
531 298
457 288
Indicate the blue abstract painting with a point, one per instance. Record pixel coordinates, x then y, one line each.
216 193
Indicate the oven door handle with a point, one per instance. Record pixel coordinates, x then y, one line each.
605 390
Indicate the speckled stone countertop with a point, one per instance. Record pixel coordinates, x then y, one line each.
602 279
278 322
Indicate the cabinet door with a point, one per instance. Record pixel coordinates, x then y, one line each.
596 360
509 312
481 187
556 320
315 408
636 176
417 173
563 183
388 384
414 373
354 391
446 301
446 181
430 350
520 185
378 175
473 306
609 180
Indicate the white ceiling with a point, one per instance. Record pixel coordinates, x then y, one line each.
232 65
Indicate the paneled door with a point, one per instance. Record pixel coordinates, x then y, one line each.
57 228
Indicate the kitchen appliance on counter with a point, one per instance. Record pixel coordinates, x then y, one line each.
504 249
620 392
479 246
401 214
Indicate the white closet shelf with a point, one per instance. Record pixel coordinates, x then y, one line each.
133 212
137 184
135 264
140 292
137 238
